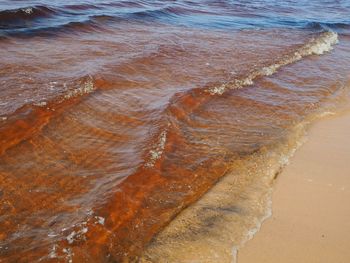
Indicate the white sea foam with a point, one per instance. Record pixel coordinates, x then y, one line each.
157 150
70 237
69 254
75 235
28 10
87 87
40 104
53 252
323 44
100 220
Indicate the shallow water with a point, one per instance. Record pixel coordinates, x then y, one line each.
116 116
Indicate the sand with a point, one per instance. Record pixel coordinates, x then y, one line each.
311 203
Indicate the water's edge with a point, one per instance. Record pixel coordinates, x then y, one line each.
223 220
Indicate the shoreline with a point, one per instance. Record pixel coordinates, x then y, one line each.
310 219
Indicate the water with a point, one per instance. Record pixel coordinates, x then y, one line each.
116 116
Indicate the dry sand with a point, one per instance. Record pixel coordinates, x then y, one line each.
311 203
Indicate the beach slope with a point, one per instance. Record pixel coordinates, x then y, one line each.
311 211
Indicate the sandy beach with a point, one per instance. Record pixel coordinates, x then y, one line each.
157 131
310 221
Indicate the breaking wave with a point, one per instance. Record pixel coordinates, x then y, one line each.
316 46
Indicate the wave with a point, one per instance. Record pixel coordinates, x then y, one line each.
179 108
19 18
82 7
28 120
316 46
158 186
157 183
340 27
168 11
55 19
181 105
51 21
70 28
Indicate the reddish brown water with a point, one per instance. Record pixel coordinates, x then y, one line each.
109 130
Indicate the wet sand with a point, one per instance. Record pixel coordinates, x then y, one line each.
310 221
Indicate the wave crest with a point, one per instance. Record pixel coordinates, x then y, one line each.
316 46
18 18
